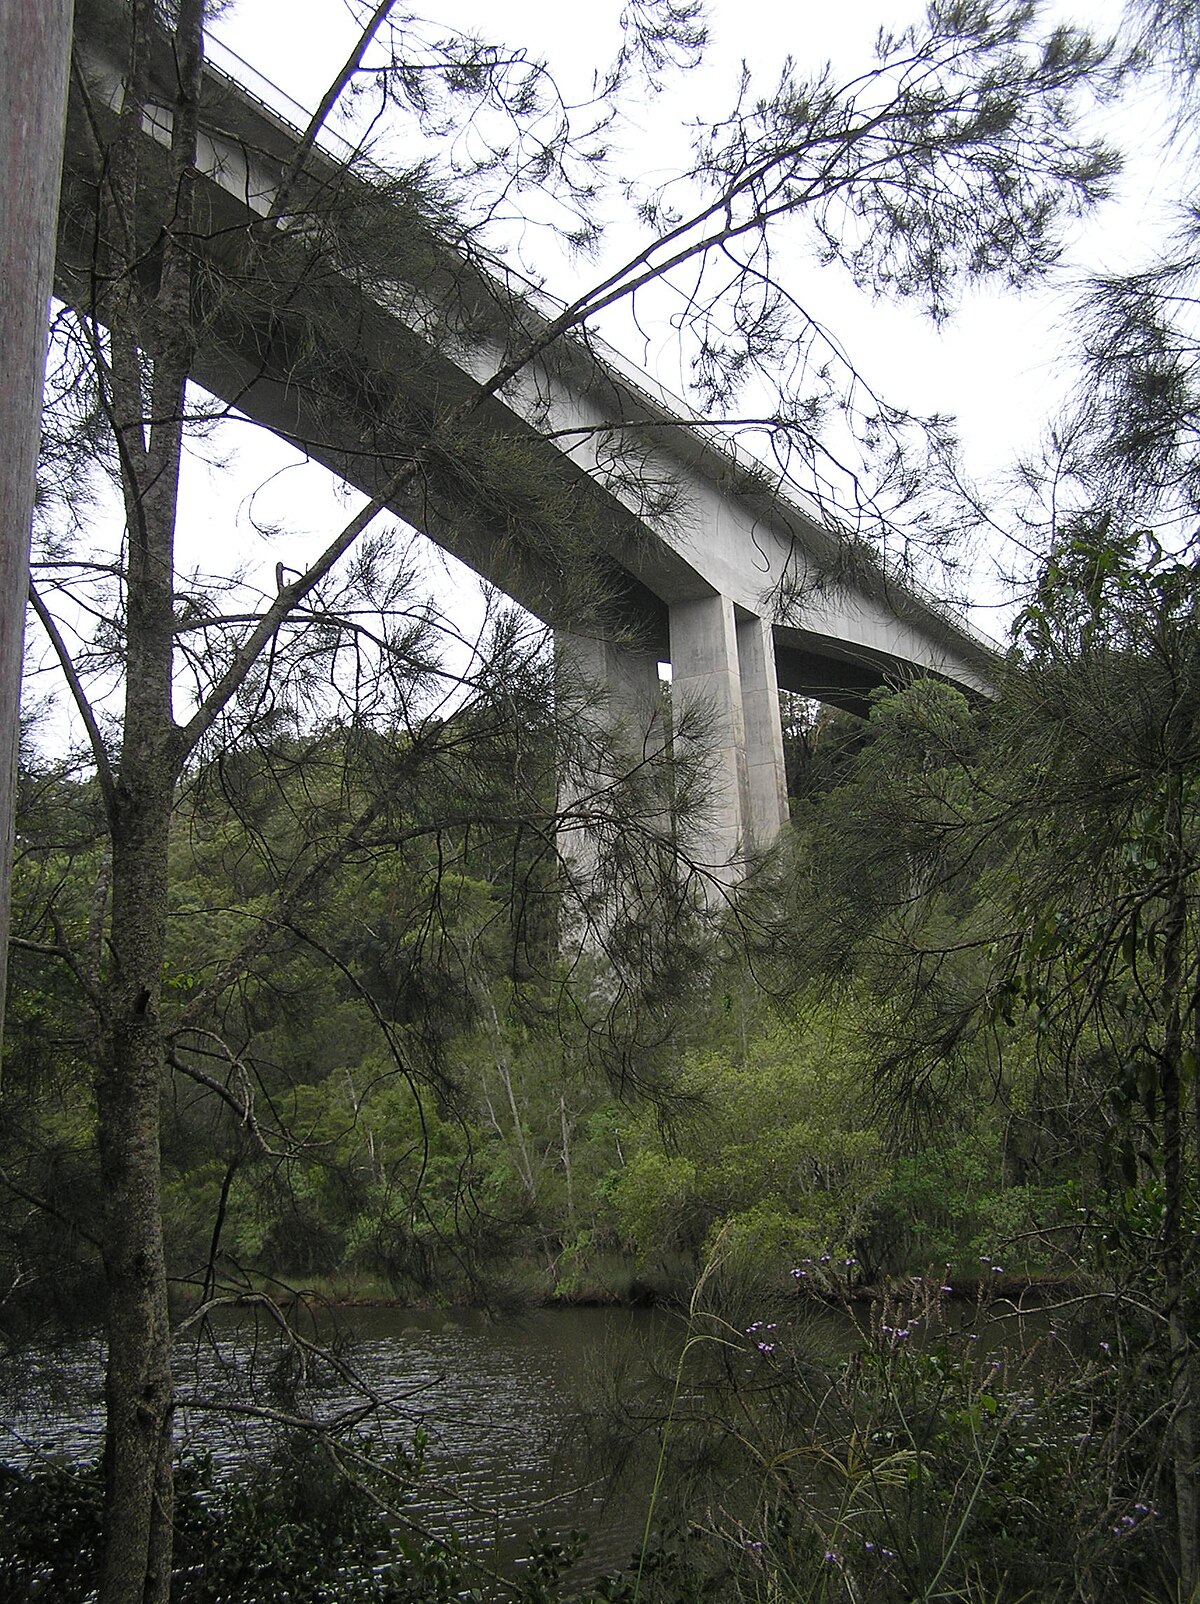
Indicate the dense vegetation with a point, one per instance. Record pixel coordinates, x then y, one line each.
947 1064
389 1104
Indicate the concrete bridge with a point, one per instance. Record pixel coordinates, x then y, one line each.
580 488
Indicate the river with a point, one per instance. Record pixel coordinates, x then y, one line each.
501 1404
509 1408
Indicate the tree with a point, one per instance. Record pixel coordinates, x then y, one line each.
1107 946
34 45
1013 905
955 157
1110 637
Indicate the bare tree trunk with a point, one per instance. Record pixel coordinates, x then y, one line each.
35 48
565 1128
502 1069
1185 1428
148 419
525 1166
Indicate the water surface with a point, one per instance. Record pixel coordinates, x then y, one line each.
501 1405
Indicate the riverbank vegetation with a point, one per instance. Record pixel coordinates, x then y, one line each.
944 1082
387 1111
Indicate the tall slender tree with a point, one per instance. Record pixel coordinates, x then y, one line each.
34 52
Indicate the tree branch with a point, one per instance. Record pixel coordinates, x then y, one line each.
330 98
104 773
243 1109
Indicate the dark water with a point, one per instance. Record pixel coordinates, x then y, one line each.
501 1403
504 1406
510 1409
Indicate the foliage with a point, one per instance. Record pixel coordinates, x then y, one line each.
969 1454
1012 903
302 1143
296 1529
770 1155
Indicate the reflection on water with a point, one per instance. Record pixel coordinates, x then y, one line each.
498 1401
52 1402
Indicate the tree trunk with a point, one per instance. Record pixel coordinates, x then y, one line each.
1185 1428
565 1130
35 48
138 1388
148 418
524 1165
502 1069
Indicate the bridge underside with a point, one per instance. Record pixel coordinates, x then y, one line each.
833 671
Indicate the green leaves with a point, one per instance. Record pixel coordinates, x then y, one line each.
772 1157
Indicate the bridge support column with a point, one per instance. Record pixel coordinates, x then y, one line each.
723 677
709 727
611 699
766 781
